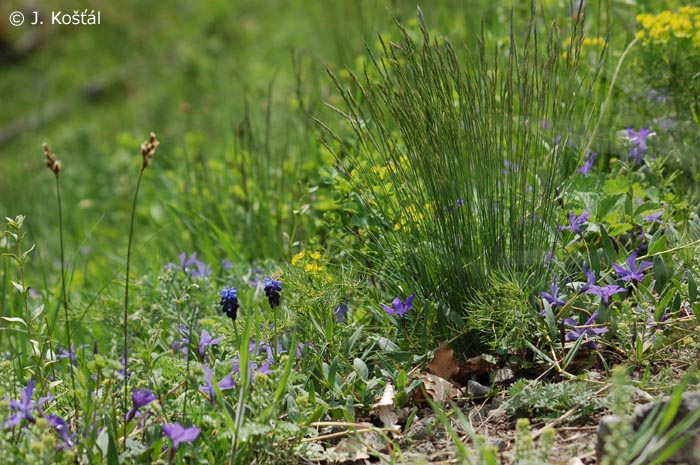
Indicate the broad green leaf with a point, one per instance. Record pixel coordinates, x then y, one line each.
361 368
657 245
606 206
619 228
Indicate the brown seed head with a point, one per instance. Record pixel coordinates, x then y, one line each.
53 164
148 149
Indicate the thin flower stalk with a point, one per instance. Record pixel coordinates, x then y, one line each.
55 166
148 150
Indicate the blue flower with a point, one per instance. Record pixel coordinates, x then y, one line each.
588 164
69 354
273 291
140 398
224 385
398 307
229 302
575 222
205 340
178 434
584 330
632 274
653 217
638 144
590 279
605 292
25 407
553 297
340 311
200 269
184 342
61 428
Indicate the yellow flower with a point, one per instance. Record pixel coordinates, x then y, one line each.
297 257
660 28
313 267
315 255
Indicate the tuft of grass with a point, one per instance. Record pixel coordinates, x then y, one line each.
463 157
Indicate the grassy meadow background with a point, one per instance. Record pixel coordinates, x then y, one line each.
395 191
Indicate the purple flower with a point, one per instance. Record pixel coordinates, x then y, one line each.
24 408
398 307
588 164
605 292
226 264
638 144
632 274
590 278
264 369
254 348
177 433
300 348
63 353
229 302
575 222
340 311
61 428
205 340
184 343
653 217
554 298
583 330
140 398
200 269
122 372
224 385
273 291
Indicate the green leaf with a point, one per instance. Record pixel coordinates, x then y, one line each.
112 457
657 245
607 205
37 311
24 255
661 273
692 289
19 287
361 368
619 228
13 319
610 253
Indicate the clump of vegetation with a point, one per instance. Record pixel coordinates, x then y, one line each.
348 267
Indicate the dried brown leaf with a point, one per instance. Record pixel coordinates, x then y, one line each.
443 363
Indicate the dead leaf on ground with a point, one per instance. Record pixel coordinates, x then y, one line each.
475 366
443 363
437 389
385 409
350 450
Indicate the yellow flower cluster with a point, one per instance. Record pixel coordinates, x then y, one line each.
312 264
659 28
